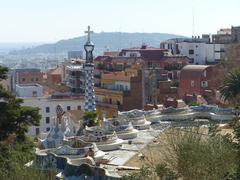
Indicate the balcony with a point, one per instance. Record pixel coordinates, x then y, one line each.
101 90
107 91
172 68
106 105
67 96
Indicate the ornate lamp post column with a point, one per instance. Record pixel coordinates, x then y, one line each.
90 105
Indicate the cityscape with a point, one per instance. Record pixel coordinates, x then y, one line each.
122 104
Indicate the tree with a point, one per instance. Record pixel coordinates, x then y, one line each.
231 60
3 72
16 149
90 118
230 90
14 118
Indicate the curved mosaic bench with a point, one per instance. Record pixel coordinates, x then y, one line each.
57 157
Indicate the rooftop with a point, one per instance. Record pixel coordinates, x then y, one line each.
27 70
28 85
116 76
57 70
195 67
75 67
191 71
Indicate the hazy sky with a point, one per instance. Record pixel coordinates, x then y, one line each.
52 20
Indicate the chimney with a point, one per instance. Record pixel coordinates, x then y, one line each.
144 46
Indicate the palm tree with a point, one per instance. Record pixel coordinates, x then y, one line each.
230 90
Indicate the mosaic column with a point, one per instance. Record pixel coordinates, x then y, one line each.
90 104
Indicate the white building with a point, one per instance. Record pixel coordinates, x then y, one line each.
32 95
47 107
29 90
199 50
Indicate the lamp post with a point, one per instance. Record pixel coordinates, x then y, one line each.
90 104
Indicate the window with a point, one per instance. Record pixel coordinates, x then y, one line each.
47 120
133 55
110 101
121 87
34 93
48 129
74 130
150 64
73 73
23 79
68 108
191 51
36 79
170 75
32 79
118 103
37 131
205 73
192 83
204 84
47 109
79 107
179 66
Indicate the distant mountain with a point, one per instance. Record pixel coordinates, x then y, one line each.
10 46
103 41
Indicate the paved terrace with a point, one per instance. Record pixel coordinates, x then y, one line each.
123 155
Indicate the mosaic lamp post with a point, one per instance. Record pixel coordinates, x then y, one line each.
90 105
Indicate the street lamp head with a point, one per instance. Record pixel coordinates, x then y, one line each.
89 46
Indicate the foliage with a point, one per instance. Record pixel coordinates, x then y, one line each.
143 174
174 83
165 173
236 141
90 118
196 155
230 90
193 103
13 158
15 148
230 62
15 118
3 72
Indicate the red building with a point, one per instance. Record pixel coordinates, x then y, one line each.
156 58
54 76
160 70
198 80
28 76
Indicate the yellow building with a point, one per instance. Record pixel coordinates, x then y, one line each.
114 86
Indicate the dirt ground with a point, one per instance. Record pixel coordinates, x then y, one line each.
153 153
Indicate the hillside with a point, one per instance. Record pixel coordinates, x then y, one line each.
103 41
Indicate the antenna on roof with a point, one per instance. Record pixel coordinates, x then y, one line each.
143 38
55 53
120 39
193 21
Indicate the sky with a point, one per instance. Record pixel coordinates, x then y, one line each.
53 20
